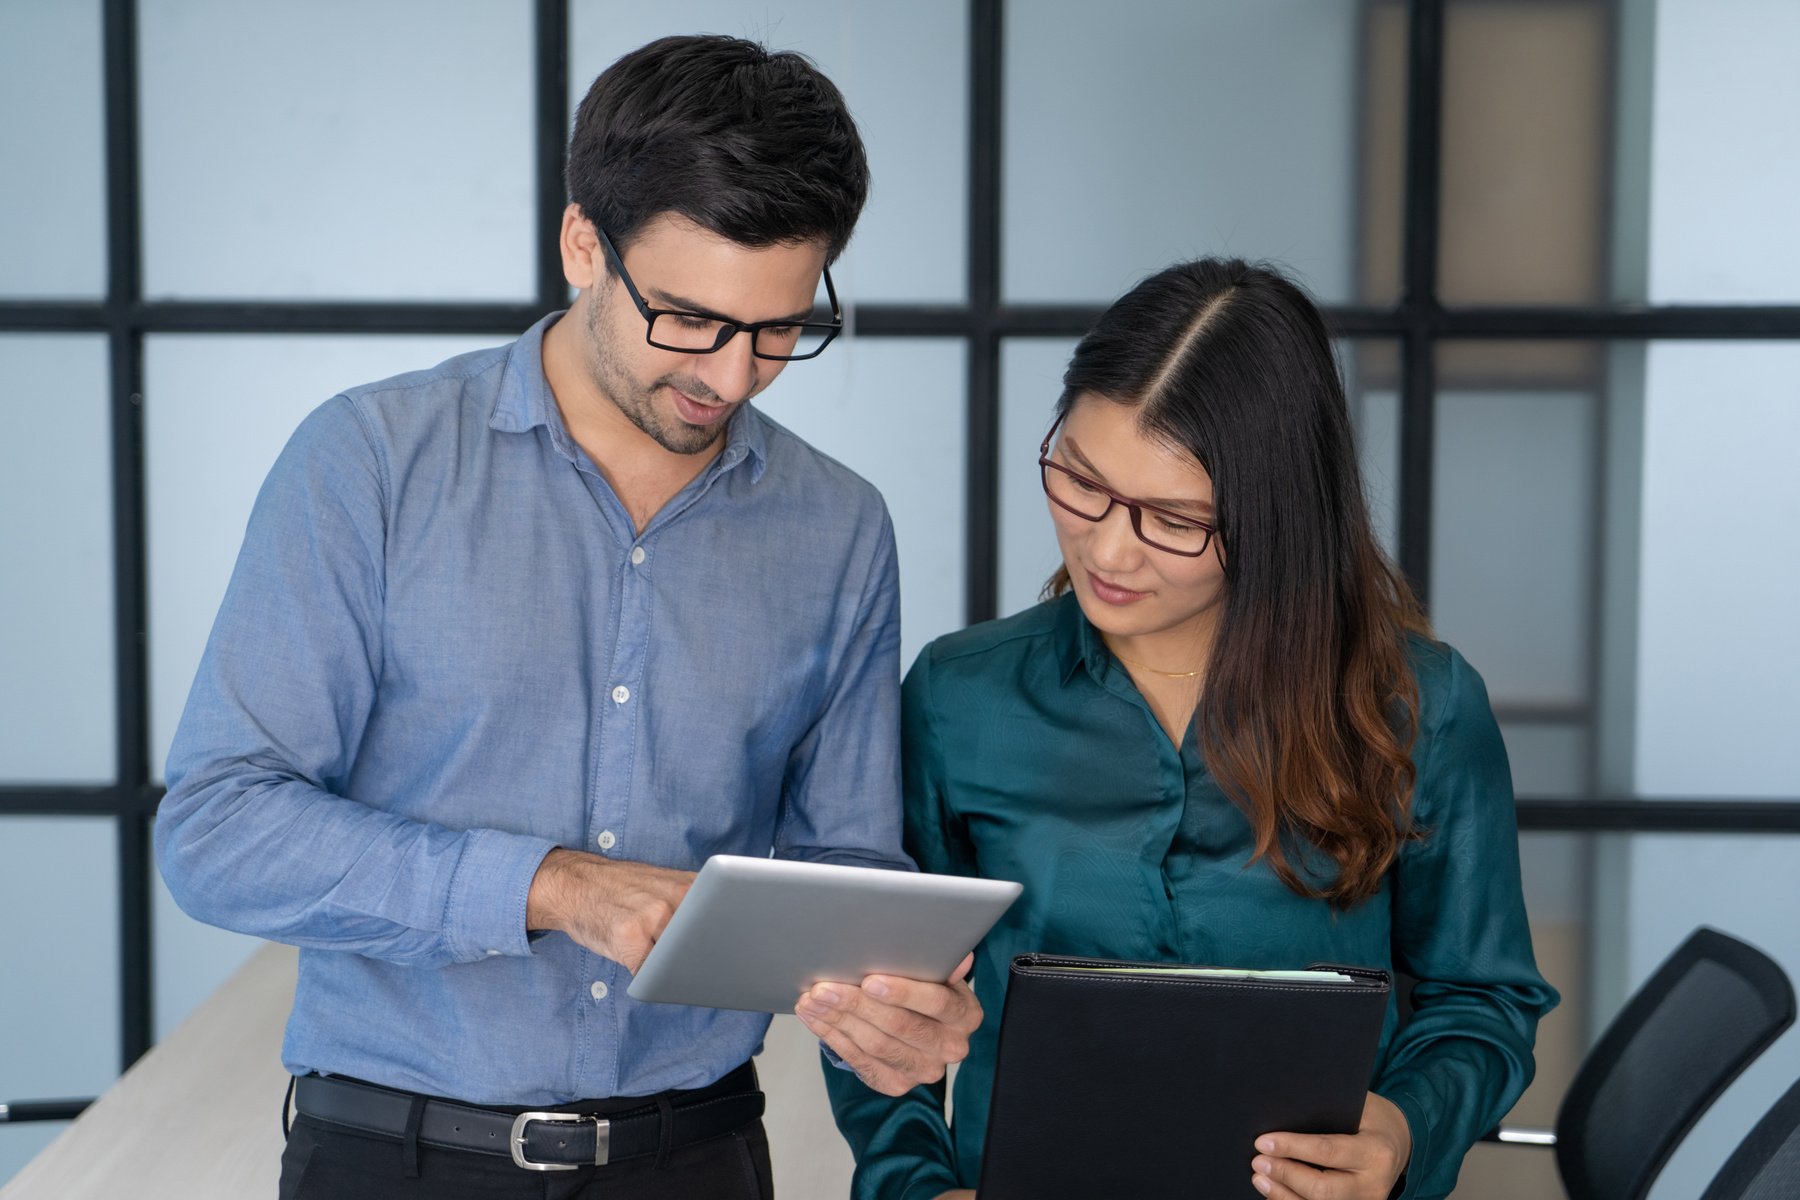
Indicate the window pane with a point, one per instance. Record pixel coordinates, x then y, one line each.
19 1144
1513 539
1723 154
192 960
217 411
1746 886
903 68
56 550
1371 371
1606 910
52 140
59 995
376 151
1030 381
1524 152
891 409
1159 131
1549 760
1720 573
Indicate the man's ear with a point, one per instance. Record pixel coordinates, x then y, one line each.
583 259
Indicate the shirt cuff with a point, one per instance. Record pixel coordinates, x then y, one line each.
484 914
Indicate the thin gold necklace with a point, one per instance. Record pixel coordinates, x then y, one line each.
1154 671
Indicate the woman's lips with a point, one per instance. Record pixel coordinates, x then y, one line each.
1112 593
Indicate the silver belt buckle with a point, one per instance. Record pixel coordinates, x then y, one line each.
602 1139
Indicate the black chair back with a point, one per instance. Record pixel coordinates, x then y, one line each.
1766 1164
1676 1046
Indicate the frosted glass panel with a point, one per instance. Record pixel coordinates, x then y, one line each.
59 994
192 959
56 607
1720 571
1725 152
1747 887
19 1144
1368 369
1548 761
891 409
337 149
1150 131
1511 541
903 69
1030 382
52 140
217 411
1525 170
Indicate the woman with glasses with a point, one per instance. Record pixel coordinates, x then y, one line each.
1228 737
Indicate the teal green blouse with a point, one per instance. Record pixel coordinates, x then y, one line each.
1030 755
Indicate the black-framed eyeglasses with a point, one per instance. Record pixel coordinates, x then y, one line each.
705 333
1091 500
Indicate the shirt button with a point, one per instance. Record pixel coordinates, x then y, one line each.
598 990
621 694
637 556
606 840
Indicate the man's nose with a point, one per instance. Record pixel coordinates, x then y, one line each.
731 370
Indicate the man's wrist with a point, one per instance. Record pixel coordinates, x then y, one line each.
546 903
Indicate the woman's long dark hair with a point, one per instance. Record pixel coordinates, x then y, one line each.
1310 706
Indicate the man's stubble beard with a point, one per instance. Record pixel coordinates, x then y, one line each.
638 403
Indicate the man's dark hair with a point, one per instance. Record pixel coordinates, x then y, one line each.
756 146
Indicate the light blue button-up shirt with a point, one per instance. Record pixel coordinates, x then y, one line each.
445 650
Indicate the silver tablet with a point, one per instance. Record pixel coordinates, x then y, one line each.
754 933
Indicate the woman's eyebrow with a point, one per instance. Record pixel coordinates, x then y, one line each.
1204 507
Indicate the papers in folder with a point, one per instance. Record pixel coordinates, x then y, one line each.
1226 973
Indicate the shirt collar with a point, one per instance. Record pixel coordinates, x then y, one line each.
1078 644
525 402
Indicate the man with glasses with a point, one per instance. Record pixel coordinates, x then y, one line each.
515 643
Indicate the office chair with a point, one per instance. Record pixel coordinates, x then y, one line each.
1766 1164
1695 1024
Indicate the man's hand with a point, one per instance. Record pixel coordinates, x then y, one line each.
1343 1166
616 909
894 1033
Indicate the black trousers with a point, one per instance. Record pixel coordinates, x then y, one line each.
328 1162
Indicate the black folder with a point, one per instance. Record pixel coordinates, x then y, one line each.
1134 1080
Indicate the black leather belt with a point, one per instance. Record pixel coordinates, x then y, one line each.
538 1140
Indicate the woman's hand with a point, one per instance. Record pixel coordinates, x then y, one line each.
958 1194
1336 1166
895 1033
